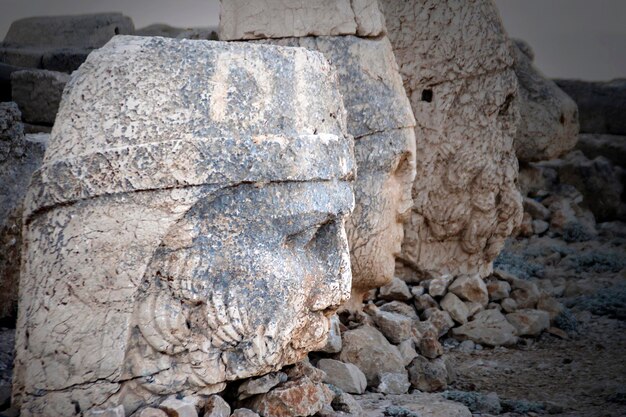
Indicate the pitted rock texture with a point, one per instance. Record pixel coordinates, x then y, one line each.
457 70
263 19
60 43
20 156
549 117
381 121
186 227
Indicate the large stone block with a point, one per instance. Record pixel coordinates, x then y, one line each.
60 43
38 94
548 117
457 70
263 19
187 225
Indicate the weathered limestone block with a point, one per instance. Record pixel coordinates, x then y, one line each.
60 43
38 94
20 156
457 70
381 121
264 19
186 227
548 117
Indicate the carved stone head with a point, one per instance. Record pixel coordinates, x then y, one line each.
380 119
187 225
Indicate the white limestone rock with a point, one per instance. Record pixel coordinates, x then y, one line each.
344 376
489 327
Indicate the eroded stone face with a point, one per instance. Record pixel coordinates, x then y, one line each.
380 119
187 225
457 71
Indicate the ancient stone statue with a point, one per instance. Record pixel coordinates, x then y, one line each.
456 66
379 118
187 225
549 117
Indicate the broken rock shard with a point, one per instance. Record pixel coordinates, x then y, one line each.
186 227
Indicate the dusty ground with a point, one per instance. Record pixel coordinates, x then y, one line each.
585 375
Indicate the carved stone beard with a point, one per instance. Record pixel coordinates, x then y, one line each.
238 283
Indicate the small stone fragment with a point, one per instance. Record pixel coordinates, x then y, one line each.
369 350
178 408
344 376
395 327
301 397
155 412
304 368
489 327
508 305
550 305
473 308
424 302
467 346
260 385
525 293
244 412
498 290
540 226
108 412
417 291
394 383
333 343
457 308
407 351
346 403
470 288
395 290
428 375
400 308
529 322
439 285
441 320
537 210
216 406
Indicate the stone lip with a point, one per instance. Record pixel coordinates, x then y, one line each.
167 146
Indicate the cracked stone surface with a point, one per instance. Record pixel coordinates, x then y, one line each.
189 217
457 70
263 19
